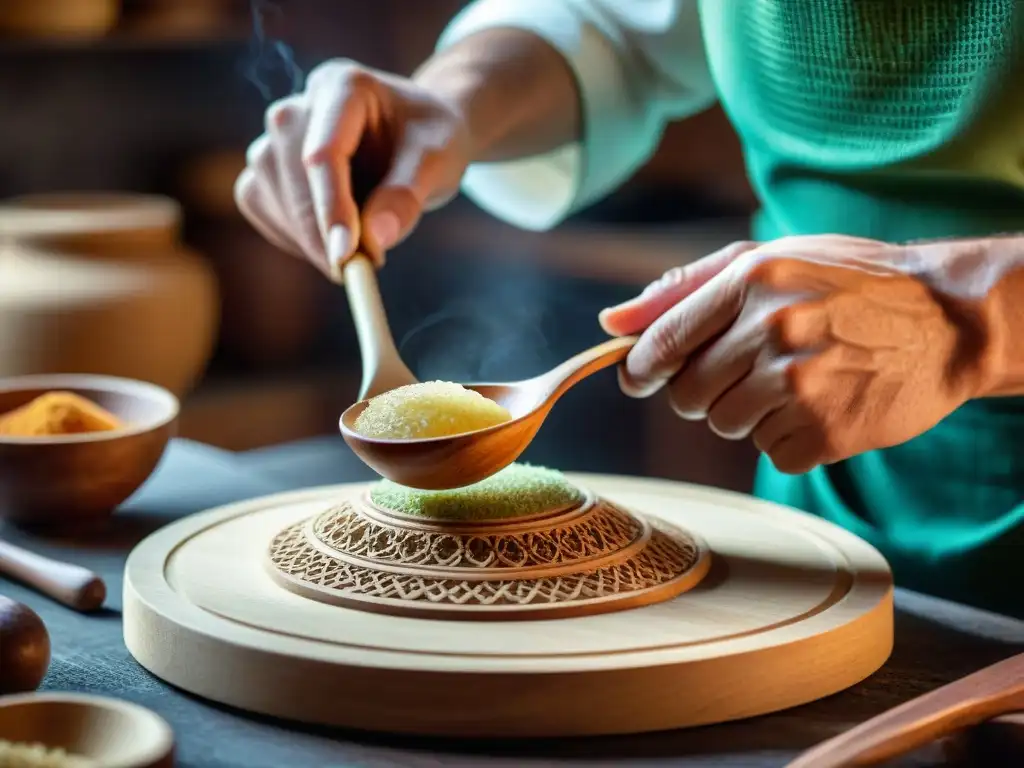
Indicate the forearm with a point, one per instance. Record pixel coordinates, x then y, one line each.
517 93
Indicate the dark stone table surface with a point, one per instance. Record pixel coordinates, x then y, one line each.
936 642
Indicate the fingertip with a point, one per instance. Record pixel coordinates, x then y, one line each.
623 319
606 319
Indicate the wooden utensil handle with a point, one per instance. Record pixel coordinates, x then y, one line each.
72 585
589 361
994 691
382 367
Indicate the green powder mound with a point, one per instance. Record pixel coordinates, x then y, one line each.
517 490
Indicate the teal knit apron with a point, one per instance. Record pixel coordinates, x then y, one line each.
895 120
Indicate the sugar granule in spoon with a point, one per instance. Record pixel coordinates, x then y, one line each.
428 409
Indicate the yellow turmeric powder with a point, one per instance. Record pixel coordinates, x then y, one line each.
57 413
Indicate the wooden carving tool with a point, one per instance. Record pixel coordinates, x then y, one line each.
993 691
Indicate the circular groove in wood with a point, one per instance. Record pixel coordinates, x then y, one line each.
794 609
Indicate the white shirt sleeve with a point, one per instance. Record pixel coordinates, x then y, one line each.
639 64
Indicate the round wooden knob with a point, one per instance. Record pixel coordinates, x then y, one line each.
24 648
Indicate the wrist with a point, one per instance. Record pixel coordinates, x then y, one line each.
983 284
514 92
1002 313
451 77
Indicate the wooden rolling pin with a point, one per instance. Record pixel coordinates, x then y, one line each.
71 585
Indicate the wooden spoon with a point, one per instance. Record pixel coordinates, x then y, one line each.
452 462
383 368
72 585
994 691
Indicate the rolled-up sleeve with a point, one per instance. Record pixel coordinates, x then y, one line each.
639 64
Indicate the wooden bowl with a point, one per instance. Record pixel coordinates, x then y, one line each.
74 480
111 733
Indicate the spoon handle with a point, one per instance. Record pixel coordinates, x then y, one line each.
72 585
383 369
993 691
589 361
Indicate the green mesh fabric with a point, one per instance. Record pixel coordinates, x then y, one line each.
869 81
895 120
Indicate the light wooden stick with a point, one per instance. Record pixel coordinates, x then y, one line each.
383 368
72 585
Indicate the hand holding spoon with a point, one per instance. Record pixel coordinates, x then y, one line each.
450 462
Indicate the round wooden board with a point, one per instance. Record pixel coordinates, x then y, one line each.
793 609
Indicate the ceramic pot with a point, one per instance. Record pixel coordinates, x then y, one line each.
101 283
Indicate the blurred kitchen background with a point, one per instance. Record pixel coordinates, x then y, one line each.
106 104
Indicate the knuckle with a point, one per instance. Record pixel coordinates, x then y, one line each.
674 276
283 112
317 155
740 247
797 375
782 327
405 197
332 70
432 159
663 340
763 269
361 79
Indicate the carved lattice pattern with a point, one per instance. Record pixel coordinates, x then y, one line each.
603 530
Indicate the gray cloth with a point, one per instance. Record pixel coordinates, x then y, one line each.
936 642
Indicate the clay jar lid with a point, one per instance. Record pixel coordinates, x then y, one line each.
93 222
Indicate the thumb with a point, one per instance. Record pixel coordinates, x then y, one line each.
664 293
411 186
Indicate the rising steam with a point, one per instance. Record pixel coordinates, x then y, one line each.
270 59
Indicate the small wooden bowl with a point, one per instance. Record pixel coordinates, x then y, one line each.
69 481
111 733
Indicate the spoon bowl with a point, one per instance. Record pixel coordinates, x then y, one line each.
453 461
